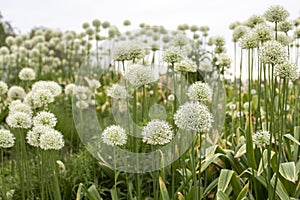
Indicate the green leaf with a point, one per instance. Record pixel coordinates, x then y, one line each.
114 194
209 160
224 179
249 144
210 187
93 191
164 192
222 196
243 193
280 190
288 171
241 151
289 136
264 161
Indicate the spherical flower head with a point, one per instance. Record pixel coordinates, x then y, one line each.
172 55
33 136
51 140
44 118
16 92
193 116
27 74
69 89
297 33
117 91
39 98
82 104
276 13
3 87
232 106
121 53
185 66
18 106
285 26
263 32
284 39
239 32
180 40
157 132
224 60
249 41
272 52
114 135
81 92
139 75
286 70
199 91
52 86
19 120
7 139
261 138
136 50
254 20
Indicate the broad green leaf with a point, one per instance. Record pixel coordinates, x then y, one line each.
249 144
280 190
241 151
93 191
114 194
264 161
222 196
164 192
209 160
289 136
210 187
296 147
243 193
224 179
288 171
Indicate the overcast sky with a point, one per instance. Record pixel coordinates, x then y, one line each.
70 14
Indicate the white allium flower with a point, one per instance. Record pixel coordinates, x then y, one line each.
69 89
7 139
171 97
3 87
19 120
253 91
185 66
18 106
129 51
16 92
199 91
224 60
81 92
140 75
232 106
51 140
287 70
27 74
39 98
272 52
93 83
239 32
172 55
261 138
114 135
276 13
249 41
193 116
82 104
52 86
33 136
117 91
263 32
246 105
44 118
157 132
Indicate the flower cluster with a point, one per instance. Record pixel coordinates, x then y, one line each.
7 139
287 70
272 52
16 92
139 75
114 135
3 87
27 74
130 51
117 91
276 13
172 55
185 66
193 116
261 138
199 91
157 132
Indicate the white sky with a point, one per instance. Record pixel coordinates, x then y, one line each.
70 14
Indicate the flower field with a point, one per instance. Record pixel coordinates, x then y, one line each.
152 113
